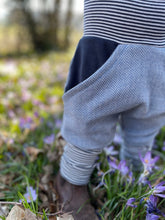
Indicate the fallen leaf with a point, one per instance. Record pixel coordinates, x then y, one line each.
29 215
33 152
16 213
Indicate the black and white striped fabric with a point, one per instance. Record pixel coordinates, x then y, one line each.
126 21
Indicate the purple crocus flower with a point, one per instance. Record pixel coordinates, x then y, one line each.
143 179
151 216
122 167
113 164
158 189
26 123
110 151
148 161
100 173
36 114
36 102
130 201
151 205
118 139
30 194
49 139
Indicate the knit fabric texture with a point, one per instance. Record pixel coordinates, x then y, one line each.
130 84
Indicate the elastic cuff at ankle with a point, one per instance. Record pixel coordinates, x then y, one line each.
77 165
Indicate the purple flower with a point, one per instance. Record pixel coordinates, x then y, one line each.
26 95
36 102
110 151
11 114
36 114
143 179
122 167
158 189
151 216
131 179
30 194
99 172
113 164
26 123
163 148
151 205
58 123
148 162
130 201
117 139
153 200
49 139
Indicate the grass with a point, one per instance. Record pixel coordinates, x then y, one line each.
31 112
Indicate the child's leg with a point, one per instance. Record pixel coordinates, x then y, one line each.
89 121
138 134
77 164
142 122
130 81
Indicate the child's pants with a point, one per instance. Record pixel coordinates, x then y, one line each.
130 84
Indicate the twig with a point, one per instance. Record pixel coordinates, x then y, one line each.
10 203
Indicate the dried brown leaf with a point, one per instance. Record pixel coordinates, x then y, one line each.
33 152
29 215
16 213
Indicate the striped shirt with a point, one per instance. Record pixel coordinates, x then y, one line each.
126 21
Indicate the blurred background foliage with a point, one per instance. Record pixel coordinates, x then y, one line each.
38 25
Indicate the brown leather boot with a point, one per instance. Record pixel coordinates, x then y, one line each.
74 199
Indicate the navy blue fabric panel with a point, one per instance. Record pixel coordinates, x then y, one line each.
90 55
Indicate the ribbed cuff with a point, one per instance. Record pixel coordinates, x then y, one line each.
77 165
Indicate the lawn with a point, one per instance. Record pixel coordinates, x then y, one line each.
31 89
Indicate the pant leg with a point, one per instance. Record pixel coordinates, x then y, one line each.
130 83
141 123
89 121
139 134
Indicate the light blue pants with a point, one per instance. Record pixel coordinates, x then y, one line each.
131 84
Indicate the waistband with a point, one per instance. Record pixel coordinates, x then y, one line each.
125 21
